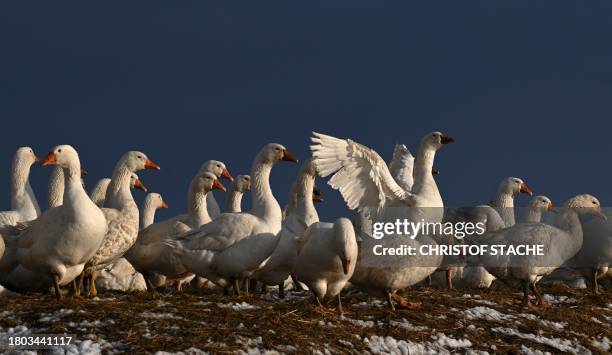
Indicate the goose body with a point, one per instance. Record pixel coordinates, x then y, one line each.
364 181
300 214
559 243
121 214
594 260
148 255
50 252
326 258
234 245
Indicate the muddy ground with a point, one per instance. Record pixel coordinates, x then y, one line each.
464 321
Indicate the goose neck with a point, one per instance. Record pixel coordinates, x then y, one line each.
304 205
424 183
148 214
504 204
234 201
56 187
118 194
196 205
73 188
264 204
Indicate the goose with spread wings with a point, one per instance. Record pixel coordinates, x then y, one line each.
366 184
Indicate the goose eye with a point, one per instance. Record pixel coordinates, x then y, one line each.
594 202
59 150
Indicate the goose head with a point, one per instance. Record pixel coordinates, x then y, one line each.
541 204
25 156
136 183
273 153
242 183
64 156
207 182
513 186
436 140
317 194
136 161
586 204
218 168
156 200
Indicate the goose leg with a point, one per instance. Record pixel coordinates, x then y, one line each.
526 301
540 302
390 301
236 287
74 293
58 294
92 284
79 283
247 283
296 285
428 281
253 286
281 289
340 310
449 280
595 283
264 289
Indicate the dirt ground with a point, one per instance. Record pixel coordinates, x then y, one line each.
464 321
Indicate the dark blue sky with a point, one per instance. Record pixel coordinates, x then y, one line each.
523 86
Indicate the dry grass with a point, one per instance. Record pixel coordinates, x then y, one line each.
298 323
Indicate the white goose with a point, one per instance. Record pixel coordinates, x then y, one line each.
560 243
121 215
52 253
326 259
234 245
221 171
121 275
595 257
300 214
474 276
364 181
23 203
241 184
146 254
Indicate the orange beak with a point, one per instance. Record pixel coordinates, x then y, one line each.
83 172
345 266
149 164
226 174
219 186
50 159
525 190
550 206
139 185
288 156
164 204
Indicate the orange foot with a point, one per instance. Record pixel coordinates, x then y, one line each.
542 303
403 303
